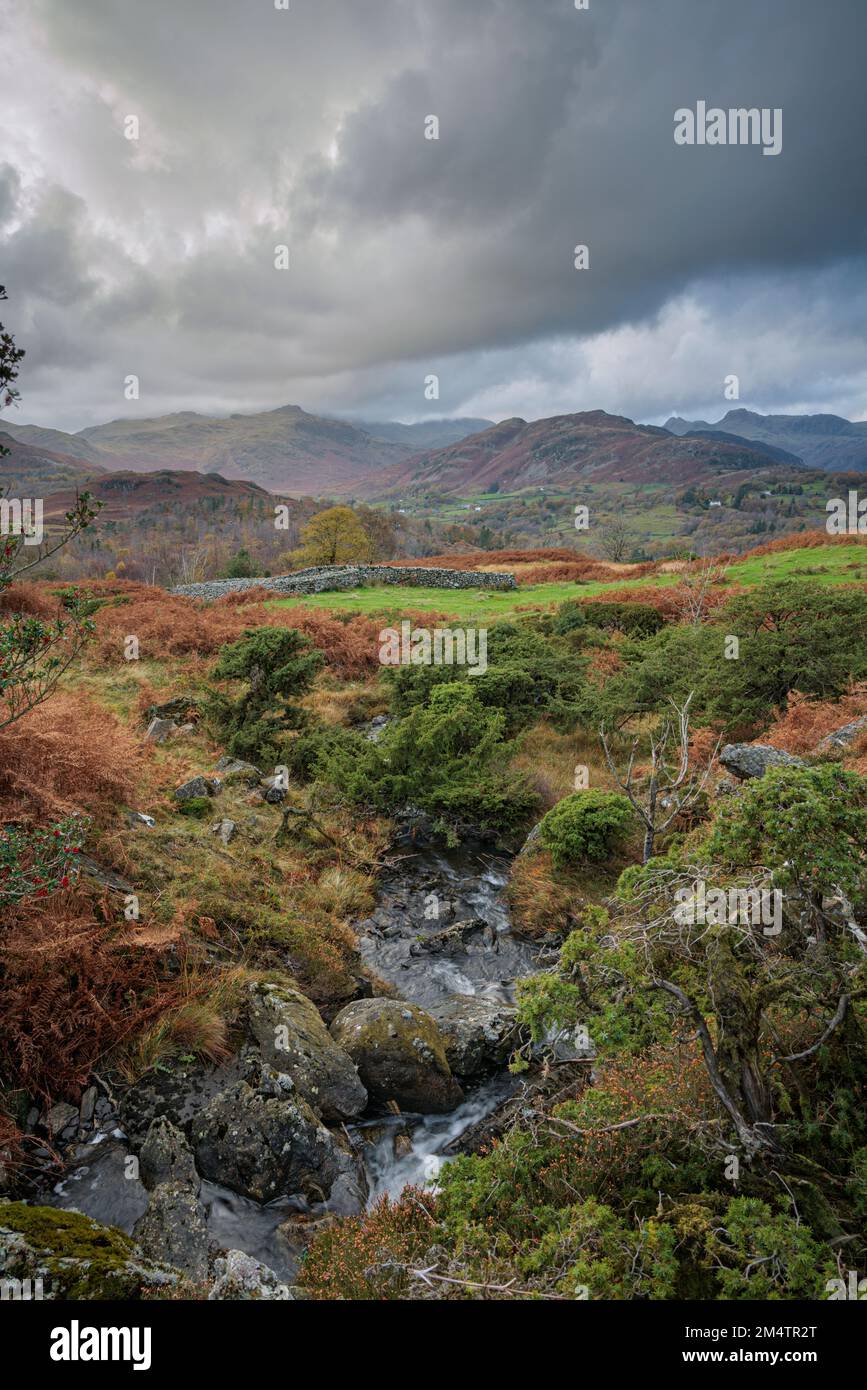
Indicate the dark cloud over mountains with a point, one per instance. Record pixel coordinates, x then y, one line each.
261 127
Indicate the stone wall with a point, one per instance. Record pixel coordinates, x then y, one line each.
324 578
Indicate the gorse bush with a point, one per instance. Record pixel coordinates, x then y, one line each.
448 756
276 664
589 826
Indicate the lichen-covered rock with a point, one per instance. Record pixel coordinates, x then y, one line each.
197 787
746 760
400 1055
839 740
479 1033
293 1039
74 1257
167 1157
239 1276
174 1227
265 1144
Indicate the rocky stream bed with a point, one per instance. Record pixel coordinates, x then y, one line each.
306 1123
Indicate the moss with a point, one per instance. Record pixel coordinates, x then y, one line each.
198 807
77 1258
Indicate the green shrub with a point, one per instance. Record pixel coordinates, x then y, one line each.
587 826
277 665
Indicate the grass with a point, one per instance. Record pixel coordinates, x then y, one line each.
833 564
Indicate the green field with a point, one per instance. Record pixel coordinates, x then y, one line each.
832 564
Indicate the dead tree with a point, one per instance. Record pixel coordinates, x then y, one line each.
693 593
671 787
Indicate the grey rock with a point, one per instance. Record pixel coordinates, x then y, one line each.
159 730
400 1054
198 786
239 1276
35 1243
226 829
293 1039
87 1107
232 767
174 1229
841 739
265 1146
323 578
167 1157
479 1033
60 1118
135 818
746 760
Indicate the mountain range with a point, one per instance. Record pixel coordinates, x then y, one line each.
287 450
822 441
592 446
292 453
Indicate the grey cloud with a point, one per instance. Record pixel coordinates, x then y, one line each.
409 256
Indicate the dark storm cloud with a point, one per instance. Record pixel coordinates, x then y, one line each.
453 256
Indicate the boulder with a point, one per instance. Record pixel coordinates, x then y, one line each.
159 730
197 786
265 1142
174 1229
746 760
65 1256
236 767
167 1157
842 739
400 1055
479 1033
226 829
239 1276
293 1039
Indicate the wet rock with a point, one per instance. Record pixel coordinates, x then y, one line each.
74 1257
87 1108
175 1095
174 1229
264 1145
197 786
160 730
453 941
745 760
400 1055
479 1034
293 1039
239 1276
167 1157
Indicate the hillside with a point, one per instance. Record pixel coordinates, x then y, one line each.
424 434
822 441
125 496
32 470
592 446
345 1063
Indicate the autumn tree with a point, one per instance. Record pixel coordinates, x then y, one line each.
333 537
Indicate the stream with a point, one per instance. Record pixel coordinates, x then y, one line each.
440 927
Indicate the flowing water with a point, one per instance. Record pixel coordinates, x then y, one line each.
440 928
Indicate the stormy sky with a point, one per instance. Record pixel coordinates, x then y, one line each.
261 127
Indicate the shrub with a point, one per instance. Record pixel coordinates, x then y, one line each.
591 825
276 664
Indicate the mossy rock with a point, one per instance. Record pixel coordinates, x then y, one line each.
400 1054
75 1257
